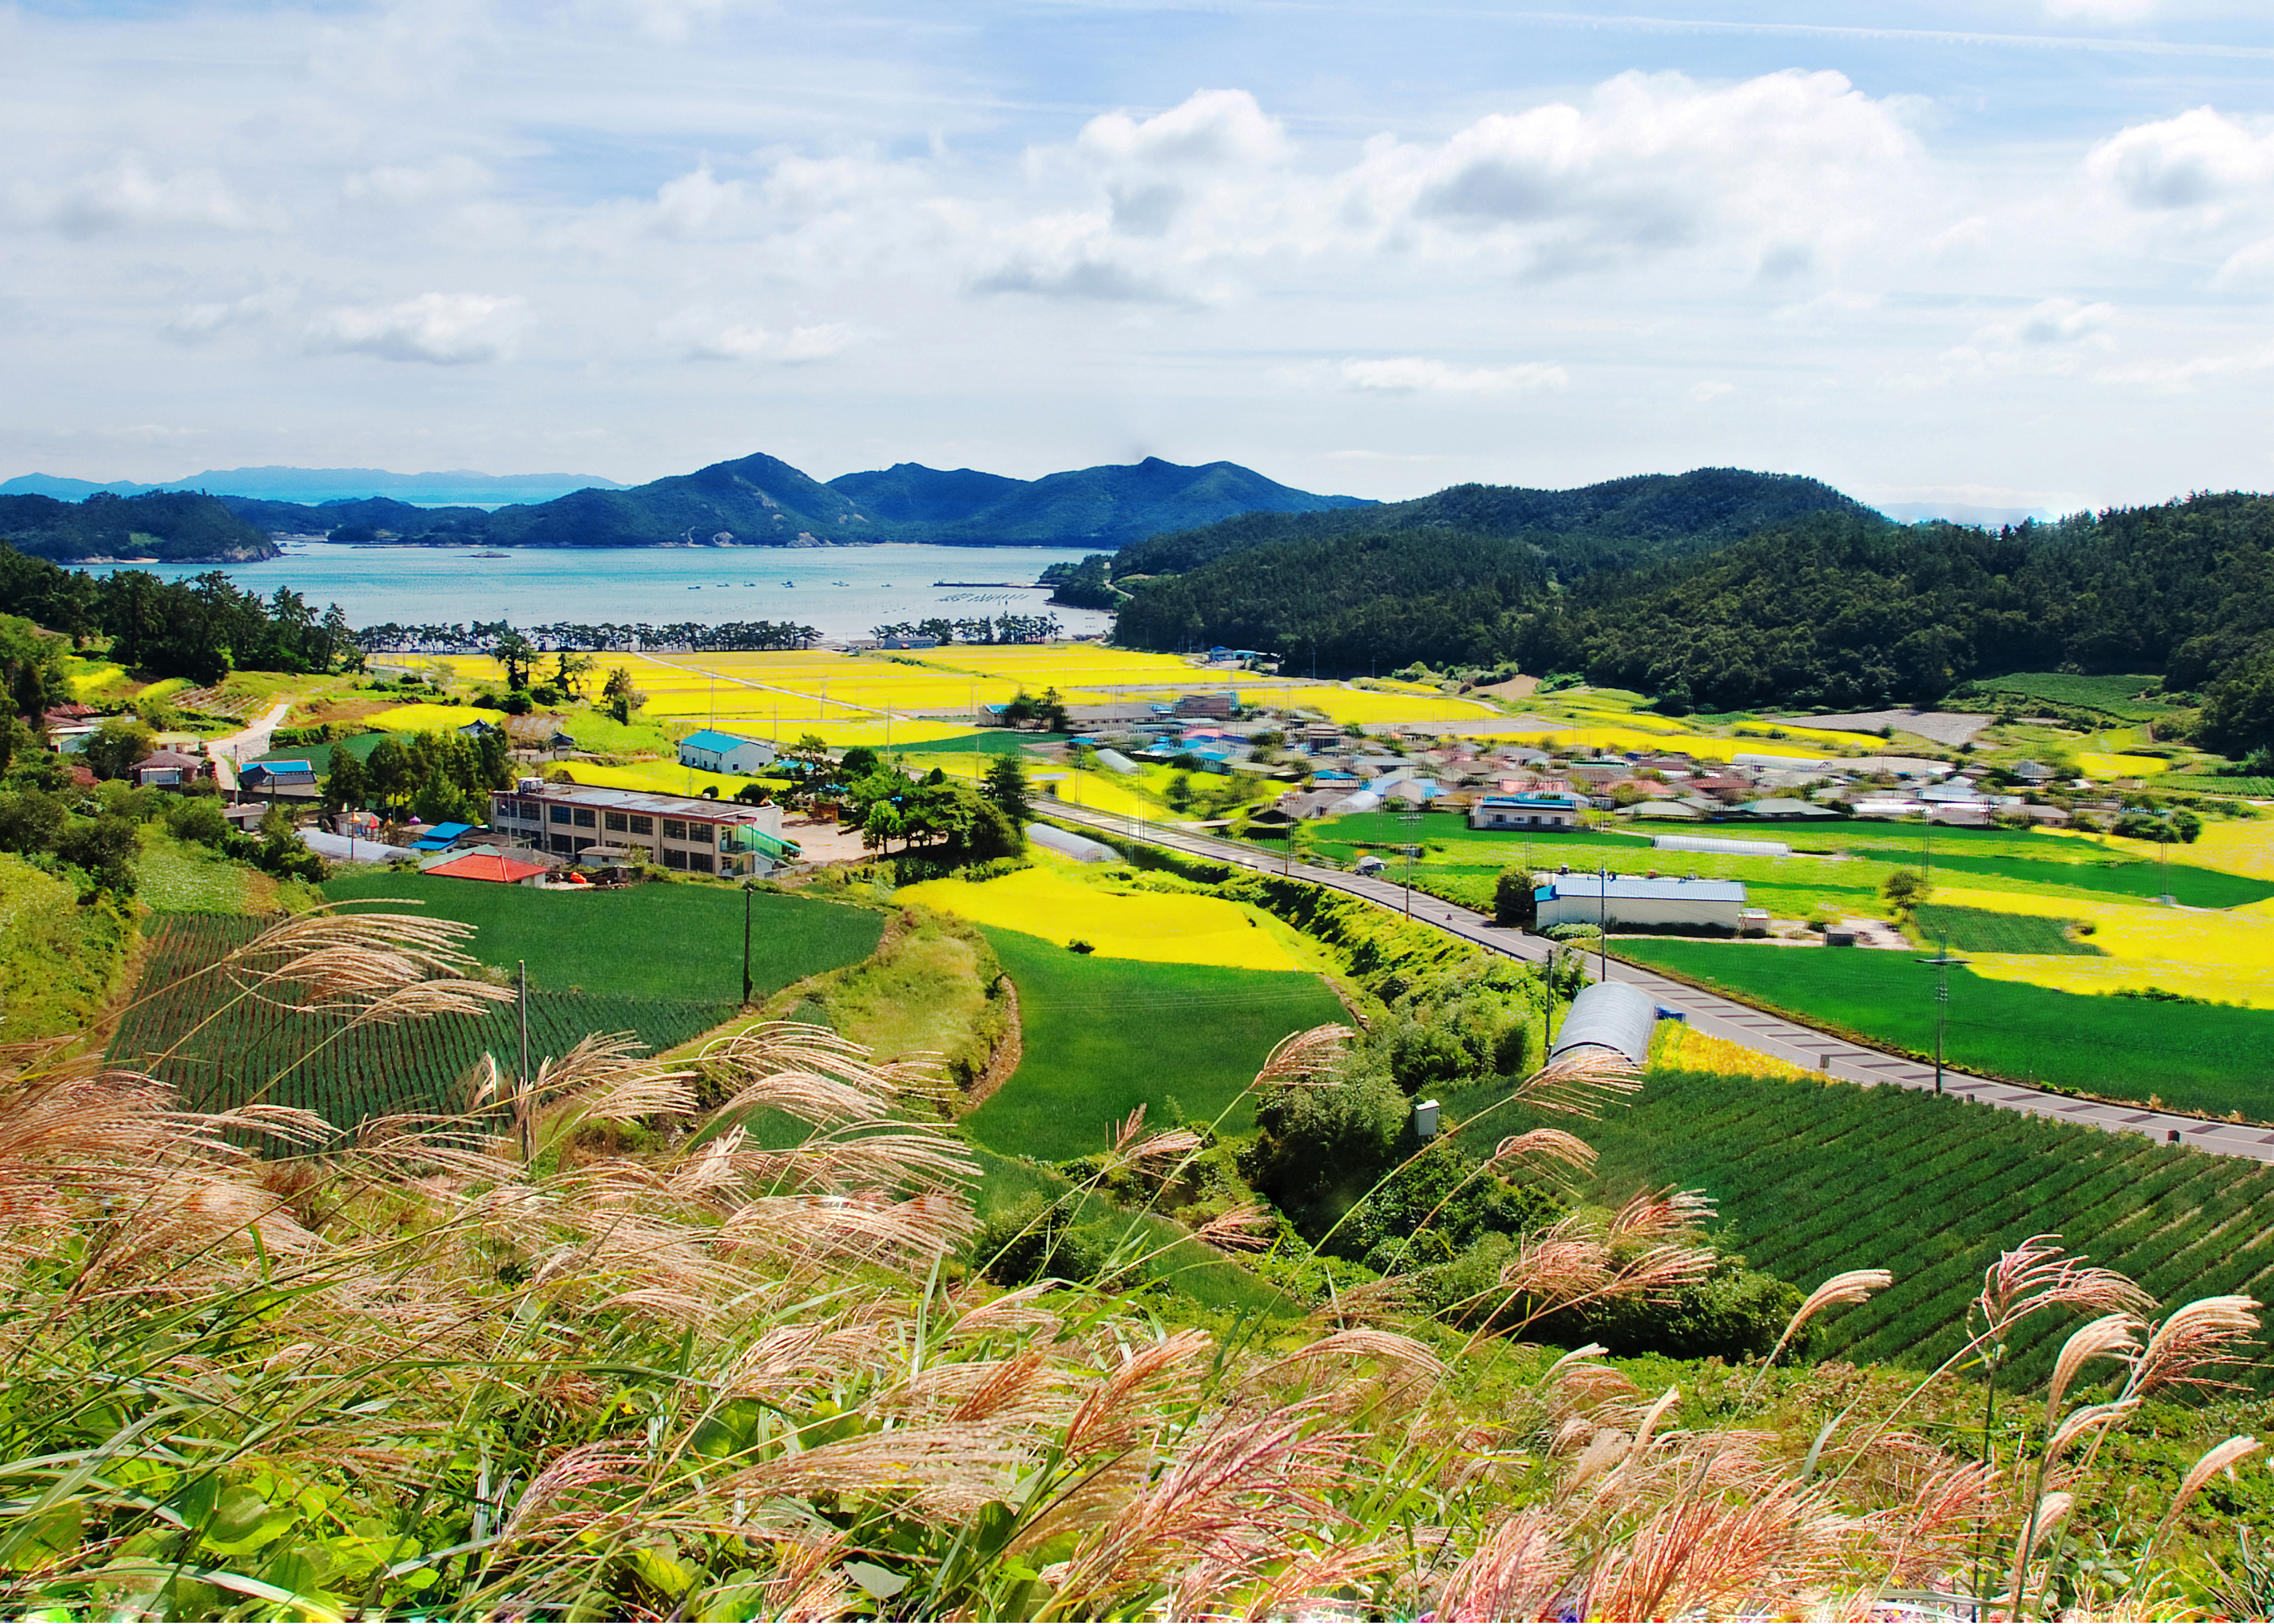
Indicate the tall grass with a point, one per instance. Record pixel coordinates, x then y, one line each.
495 1365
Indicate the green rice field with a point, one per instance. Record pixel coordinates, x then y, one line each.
1931 1189
1104 1035
2207 1059
2111 695
1979 931
659 940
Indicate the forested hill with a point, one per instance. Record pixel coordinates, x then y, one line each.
166 525
1843 607
1615 522
762 501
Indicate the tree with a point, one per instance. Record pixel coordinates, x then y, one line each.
1006 789
622 698
518 656
1905 889
879 827
105 846
570 671
346 786
117 744
1512 899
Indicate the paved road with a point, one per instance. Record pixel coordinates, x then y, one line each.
252 740
1789 1041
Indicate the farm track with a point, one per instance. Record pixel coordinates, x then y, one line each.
1811 1047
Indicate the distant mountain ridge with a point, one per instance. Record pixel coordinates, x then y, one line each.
458 485
757 501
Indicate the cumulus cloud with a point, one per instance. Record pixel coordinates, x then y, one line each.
195 324
1791 163
1417 375
2201 159
444 329
129 196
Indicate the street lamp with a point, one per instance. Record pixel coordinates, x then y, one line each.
1941 961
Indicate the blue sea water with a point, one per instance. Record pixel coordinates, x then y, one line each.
842 591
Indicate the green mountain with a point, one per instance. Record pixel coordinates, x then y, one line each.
762 501
1615 522
168 525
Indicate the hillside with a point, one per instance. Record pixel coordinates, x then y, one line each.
1831 606
169 525
1616 521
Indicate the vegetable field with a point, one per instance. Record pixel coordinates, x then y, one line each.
2205 1058
2112 696
1813 1179
189 1027
1980 930
1102 1036
677 942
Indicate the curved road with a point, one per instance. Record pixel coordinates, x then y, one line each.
1788 1041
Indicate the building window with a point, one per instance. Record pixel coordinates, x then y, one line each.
560 815
615 822
700 861
700 833
533 810
560 844
674 829
643 825
674 860
585 819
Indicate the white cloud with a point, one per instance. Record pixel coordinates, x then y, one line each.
2055 321
2201 159
129 196
1793 164
407 185
194 324
705 335
1708 390
447 329
1413 375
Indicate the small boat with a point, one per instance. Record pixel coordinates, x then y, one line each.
789 583
493 555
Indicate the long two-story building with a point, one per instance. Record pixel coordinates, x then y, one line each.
688 832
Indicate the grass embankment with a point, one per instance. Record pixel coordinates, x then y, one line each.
2206 1059
934 987
1814 1178
659 940
1104 1035
182 876
60 962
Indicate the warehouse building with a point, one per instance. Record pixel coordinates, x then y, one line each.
708 751
1636 901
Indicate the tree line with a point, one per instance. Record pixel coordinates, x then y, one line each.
979 629
201 628
483 636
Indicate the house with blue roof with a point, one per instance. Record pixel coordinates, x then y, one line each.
708 751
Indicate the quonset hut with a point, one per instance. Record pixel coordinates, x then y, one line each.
1608 1015
1079 847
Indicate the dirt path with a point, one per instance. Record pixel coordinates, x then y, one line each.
1004 1060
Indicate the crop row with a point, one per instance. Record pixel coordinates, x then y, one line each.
1812 1179
195 1026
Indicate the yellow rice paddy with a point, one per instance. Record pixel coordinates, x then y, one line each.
1678 1047
424 718
1047 902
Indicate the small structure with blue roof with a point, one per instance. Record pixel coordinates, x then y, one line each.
708 751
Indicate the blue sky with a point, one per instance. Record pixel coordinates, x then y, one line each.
2010 255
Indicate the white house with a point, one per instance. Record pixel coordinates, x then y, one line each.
1532 810
709 751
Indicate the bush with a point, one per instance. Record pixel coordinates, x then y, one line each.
1031 1240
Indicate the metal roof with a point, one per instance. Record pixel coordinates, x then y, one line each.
1634 888
1608 1015
706 739
641 800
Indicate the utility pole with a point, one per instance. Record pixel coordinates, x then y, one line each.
521 1093
1410 817
1941 961
749 890
1603 922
